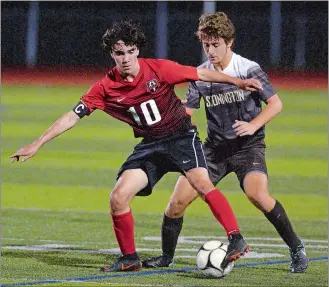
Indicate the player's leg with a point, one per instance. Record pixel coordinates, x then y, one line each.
252 174
256 188
189 157
221 209
182 196
172 223
137 176
193 162
128 185
187 154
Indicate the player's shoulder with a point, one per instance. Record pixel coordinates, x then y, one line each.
242 61
159 66
156 62
110 80
243 66
109 77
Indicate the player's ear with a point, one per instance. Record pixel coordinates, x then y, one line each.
230 44
137 52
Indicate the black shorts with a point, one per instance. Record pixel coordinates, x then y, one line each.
235 156
178 153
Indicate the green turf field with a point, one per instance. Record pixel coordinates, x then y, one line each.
55 225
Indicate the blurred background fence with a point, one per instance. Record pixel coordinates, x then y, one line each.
284 35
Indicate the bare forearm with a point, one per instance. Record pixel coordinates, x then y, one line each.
64 123
273 108
208 75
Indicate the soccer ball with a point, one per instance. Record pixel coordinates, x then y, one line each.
210 257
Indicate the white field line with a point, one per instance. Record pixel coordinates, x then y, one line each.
65 242
189 239
183 240
317 251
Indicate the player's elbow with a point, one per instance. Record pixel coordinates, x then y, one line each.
275 103
279 106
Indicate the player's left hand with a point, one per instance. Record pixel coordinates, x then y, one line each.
242 128
252 85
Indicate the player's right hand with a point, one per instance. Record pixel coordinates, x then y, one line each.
25 152
252 85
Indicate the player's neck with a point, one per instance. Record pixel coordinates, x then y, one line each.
130 77
220 66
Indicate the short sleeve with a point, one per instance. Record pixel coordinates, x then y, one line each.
94 98
175 73
192 96
257 73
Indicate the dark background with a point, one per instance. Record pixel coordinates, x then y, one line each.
70 32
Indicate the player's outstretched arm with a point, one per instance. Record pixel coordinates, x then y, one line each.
208 75
63 124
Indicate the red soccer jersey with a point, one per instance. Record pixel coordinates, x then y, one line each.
149 103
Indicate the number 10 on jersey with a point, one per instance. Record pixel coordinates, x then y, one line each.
150 111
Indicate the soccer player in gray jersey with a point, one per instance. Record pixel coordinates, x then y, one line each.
235 139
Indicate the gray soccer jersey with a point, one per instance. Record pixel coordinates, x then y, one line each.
225 103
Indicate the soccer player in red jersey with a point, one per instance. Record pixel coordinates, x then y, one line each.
141 93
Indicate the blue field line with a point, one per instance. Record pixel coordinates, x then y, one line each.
144 273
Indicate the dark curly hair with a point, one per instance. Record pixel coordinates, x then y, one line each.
127 31
214 25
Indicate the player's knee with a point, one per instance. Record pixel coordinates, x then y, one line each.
176 208
117 201
199 180
256 202
262 200
202 186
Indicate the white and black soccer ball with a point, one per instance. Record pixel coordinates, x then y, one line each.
210 257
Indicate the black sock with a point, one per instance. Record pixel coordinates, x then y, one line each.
132 256
278 217
171 228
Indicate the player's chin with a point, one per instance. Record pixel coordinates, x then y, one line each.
127 69
213 61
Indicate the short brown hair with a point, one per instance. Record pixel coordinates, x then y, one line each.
214 25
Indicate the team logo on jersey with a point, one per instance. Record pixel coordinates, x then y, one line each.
152 86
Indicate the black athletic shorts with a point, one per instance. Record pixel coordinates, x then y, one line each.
177 153
240 156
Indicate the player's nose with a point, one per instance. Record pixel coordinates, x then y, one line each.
126 58
211 52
